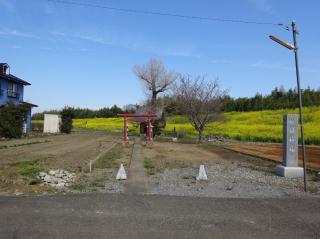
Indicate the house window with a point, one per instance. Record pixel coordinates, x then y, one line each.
12 89
6 69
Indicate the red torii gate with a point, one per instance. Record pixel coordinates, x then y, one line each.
140 118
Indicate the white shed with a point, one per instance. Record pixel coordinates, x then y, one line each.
51 123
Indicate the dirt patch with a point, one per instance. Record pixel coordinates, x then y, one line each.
21 161
188 153
69 152
274 152
192 154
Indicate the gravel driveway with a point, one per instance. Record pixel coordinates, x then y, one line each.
240 181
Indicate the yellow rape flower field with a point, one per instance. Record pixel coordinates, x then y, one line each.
265 126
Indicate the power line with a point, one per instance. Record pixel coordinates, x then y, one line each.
139 11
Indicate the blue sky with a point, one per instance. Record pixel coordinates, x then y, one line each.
83 57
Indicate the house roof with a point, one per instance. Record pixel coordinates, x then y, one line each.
29 104
13 78
10 77
3 64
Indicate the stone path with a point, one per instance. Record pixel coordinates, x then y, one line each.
137 178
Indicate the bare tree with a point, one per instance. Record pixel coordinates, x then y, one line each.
155 78
200 100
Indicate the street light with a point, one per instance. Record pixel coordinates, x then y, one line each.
295 48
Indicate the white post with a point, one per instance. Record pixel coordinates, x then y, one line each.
90 165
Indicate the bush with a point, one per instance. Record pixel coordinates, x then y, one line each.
12 119
67 115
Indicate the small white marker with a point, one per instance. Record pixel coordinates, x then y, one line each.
121 175
202 173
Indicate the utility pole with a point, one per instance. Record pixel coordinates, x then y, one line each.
295 48
294 33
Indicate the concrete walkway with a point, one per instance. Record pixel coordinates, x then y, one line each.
137 178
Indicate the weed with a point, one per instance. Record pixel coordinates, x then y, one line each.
109 159
79 186
159 164
29 168
98 182
149 165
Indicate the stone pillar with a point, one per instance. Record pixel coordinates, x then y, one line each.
289 167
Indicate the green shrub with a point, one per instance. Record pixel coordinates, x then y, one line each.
67 115
12 119
29 168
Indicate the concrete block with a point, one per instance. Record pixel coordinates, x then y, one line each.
289 172
202 173
121 175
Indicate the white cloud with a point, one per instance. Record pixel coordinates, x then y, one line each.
133 45
16 33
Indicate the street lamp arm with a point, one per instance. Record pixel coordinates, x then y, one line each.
285 44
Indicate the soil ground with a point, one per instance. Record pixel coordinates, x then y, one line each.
70 152
192 154
274 152
22 160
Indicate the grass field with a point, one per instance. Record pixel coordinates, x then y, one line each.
265 126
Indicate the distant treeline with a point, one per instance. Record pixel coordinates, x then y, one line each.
85 113
278 99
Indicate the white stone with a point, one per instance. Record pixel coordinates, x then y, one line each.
48 179
174 140
202 173
60 185
52 172
57 178
289 172
121 175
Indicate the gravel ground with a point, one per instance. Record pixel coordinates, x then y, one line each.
239 181
101 180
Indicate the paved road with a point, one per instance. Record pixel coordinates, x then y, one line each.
142 216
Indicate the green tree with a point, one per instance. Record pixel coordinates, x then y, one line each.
67 114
